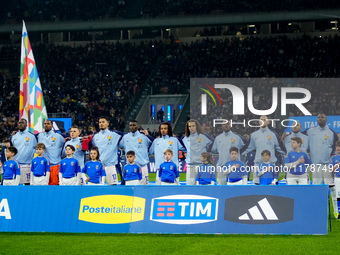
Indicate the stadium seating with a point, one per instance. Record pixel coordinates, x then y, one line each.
85 82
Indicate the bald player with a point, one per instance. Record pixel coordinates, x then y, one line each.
54 143
260 140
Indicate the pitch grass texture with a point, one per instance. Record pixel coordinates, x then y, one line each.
57 243
67 243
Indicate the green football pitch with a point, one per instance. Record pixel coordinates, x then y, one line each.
61 243
70 243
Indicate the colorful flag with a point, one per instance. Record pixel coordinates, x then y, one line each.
31 103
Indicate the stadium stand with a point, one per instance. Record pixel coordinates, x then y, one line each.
55 11
96 77
103 78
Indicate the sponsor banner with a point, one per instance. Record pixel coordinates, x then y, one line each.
234 209
184 209
111 209
70 209
166 209
333 122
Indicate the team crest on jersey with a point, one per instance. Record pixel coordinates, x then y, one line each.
42 162
97 167
72 163
78 146
171 143
326 137
135 170
199 139
232 140
140 141
27 139
11 165
171 167
269 137
53 139
109 137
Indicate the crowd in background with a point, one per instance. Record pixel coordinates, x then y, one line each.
85 82
55 11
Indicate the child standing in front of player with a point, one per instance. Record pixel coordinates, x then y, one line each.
235 169
335 163
94 169
11 168
40 167
266 171
132 171
206 171
168 170
297 162
69 172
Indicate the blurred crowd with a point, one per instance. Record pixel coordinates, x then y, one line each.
56 10
85 82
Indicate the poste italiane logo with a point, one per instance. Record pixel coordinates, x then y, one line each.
112 209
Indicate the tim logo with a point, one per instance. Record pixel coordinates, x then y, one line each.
184 209
238 99
259 209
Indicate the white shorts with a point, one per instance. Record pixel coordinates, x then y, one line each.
39 180
133 182
168 183
70 181
240 182
254 170
145 174
92 183
294 179
221 177
25 173
8 182
337 186
191 174
82 181
158 179
111 175
322 174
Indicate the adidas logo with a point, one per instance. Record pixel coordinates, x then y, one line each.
255 212
259 209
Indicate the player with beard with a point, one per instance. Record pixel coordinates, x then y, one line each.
107 143
222 144
196 143
322 142
54 143
25 143
296 133
139 143
165 142
260 140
